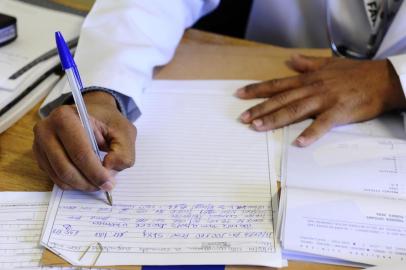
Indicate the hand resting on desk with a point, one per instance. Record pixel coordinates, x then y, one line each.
335 91
63 151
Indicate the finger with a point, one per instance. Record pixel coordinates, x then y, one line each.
44 163
271 87
64 170
99 130
78 148
320 126
121 154
303 63
276 102
291 113
38 156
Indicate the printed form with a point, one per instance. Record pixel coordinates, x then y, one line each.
345 195
22 216
202 191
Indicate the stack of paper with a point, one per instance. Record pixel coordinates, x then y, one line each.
22 217
344 197
27 64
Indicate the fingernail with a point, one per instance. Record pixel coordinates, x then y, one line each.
240 92
258 123
300 141
245 116
108 186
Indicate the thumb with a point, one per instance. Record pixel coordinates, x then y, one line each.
119 160
121 148
302 63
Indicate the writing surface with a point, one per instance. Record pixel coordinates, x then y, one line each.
203 190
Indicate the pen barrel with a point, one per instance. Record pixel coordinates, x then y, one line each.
76 87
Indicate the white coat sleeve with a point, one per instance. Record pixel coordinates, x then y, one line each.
399 64
121 41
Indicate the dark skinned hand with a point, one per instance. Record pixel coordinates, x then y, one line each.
333 91
64 152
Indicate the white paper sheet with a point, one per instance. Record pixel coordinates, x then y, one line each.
36 28
202 190
21 218
350 227
352 162
344 196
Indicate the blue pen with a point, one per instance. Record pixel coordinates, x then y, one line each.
72 73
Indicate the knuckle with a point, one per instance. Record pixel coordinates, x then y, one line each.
126 162
281 98
271 119
293 110
81 156
66 175
257 110
59 115
326 121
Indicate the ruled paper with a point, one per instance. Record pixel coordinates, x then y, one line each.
21 218
203 190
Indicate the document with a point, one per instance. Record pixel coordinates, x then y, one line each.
344 196
22 215
202 191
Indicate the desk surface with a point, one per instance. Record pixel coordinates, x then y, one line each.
200 56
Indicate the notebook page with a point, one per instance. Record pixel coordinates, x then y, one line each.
201 192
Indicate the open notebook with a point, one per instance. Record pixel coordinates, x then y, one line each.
203 190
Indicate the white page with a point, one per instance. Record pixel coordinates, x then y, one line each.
350 161
398 266
36 28
351 227
8 96
21 218
303 161
201 191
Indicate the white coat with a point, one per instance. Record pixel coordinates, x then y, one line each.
121 41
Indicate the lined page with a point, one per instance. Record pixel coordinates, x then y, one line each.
203 190
22 217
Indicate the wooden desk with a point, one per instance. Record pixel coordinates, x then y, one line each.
200 56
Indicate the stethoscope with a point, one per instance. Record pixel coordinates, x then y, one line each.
379 17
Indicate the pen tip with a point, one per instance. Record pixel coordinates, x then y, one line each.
109 198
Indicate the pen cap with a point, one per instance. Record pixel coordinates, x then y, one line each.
64 52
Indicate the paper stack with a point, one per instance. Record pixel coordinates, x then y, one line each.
27 65
343 198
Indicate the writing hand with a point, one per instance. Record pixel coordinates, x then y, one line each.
334 91
64 152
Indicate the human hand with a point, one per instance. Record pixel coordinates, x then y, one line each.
334 91
63 151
